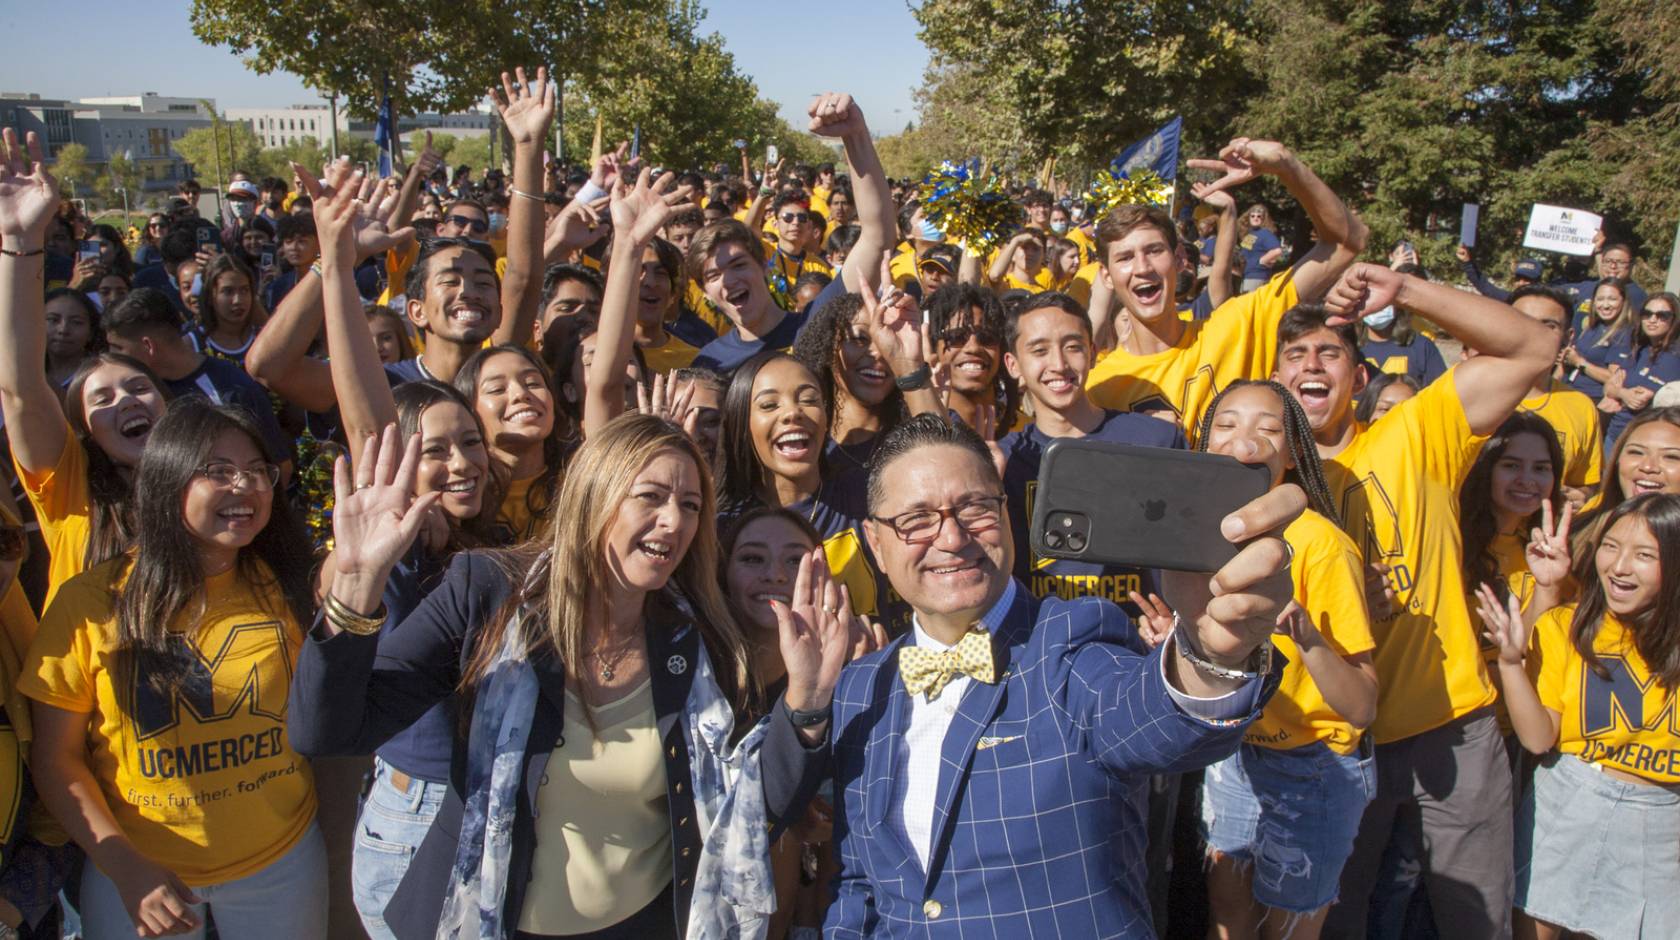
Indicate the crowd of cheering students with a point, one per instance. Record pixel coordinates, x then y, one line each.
602 537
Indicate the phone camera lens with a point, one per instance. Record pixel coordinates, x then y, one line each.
1053 539
1076 541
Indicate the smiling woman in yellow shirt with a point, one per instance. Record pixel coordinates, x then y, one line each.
160 681
1595 850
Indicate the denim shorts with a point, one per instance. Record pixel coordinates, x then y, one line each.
1292 815
1599 855
388 833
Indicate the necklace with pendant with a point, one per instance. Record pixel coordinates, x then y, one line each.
609 668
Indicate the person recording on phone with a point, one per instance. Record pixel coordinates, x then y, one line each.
988 764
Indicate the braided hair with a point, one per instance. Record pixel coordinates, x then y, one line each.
1308 472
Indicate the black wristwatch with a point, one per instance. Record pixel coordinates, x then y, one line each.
915 381
810 718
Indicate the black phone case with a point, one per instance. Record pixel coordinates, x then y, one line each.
1149 507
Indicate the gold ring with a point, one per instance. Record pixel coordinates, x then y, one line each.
831 610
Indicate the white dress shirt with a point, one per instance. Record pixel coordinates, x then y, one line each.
919 750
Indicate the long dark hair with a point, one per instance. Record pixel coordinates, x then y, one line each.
223 264
541 494
1366 403
96 329
740 475
1476 521
111 523
1308 472
166 578
1656 632
1641 341
121 261
413 399
818 347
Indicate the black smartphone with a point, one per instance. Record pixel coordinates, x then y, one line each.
1149 507
88 250
208 240
265 260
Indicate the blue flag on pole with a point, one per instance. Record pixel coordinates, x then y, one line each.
385 131
1157 152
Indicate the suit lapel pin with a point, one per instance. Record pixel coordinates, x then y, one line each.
676 665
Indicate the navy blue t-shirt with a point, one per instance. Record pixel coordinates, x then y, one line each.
692 330
1420 358
1645 369
728 352
405 370
1601 355
1046 577
1253 247
422 750
226 384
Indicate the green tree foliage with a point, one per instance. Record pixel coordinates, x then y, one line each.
121 176
241 149
71 167
1409 108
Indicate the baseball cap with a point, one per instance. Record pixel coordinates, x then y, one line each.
1529 269
243 189
942 257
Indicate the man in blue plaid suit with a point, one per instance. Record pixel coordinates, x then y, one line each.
989 765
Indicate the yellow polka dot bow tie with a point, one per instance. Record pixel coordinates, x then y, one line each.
925 670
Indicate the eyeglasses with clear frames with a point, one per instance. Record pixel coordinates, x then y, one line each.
227 476
976 515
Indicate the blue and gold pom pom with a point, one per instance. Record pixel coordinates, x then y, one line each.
1112 189
968 203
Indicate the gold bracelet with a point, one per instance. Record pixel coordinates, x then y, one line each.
349 621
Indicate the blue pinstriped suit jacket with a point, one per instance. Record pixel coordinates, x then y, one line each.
1038 829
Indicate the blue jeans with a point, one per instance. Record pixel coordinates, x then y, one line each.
286 900
1291 815
390 830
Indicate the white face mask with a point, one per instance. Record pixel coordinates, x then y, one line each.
243 209
1060 228
1380 319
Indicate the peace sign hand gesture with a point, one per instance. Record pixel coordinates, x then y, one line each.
1548 546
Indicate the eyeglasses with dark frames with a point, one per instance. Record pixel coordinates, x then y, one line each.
975 515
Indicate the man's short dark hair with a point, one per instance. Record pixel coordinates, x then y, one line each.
1303 319
1616 246
827 166
557 274
700 375
714 236
415 287
925 430
179 244
844 237
1040 301
1035 197
1128 218
295 225
1541 290
144 310
687 215
790 197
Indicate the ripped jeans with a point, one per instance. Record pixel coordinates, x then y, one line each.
1291 815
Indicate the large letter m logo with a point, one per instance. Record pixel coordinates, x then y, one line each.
251 672
1622 702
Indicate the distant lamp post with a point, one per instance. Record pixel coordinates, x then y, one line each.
128 155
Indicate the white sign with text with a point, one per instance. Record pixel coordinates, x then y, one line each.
1554 228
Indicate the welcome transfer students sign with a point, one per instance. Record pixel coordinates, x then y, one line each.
1568 231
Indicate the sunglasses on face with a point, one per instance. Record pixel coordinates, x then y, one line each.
958 335
792 218
1657 312
476 226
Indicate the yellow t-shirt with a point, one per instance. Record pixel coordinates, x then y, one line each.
515 513
1087 244
902 267
1575 419
781 271
1041 281
672 355
1627 721
1239 341
1330 587
1513 569
1078 286
1396 487
63 506
204 782
603 821
696 300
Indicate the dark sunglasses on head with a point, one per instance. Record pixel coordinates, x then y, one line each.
792 217
472 225
958 335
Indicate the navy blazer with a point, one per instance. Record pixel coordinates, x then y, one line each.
1039 819
353 693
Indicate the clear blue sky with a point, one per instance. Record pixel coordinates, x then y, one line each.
793 49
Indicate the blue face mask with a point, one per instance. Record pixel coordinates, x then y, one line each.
1060 228
1381 319
927 232
498 221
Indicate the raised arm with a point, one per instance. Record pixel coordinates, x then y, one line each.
526 113
35 423
638 214
409 196
365 401
1512 350
766 194
279 356
1341 236
1224 242
1000 264
837 115
1536 725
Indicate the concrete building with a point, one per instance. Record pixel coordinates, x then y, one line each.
142 127
282 127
